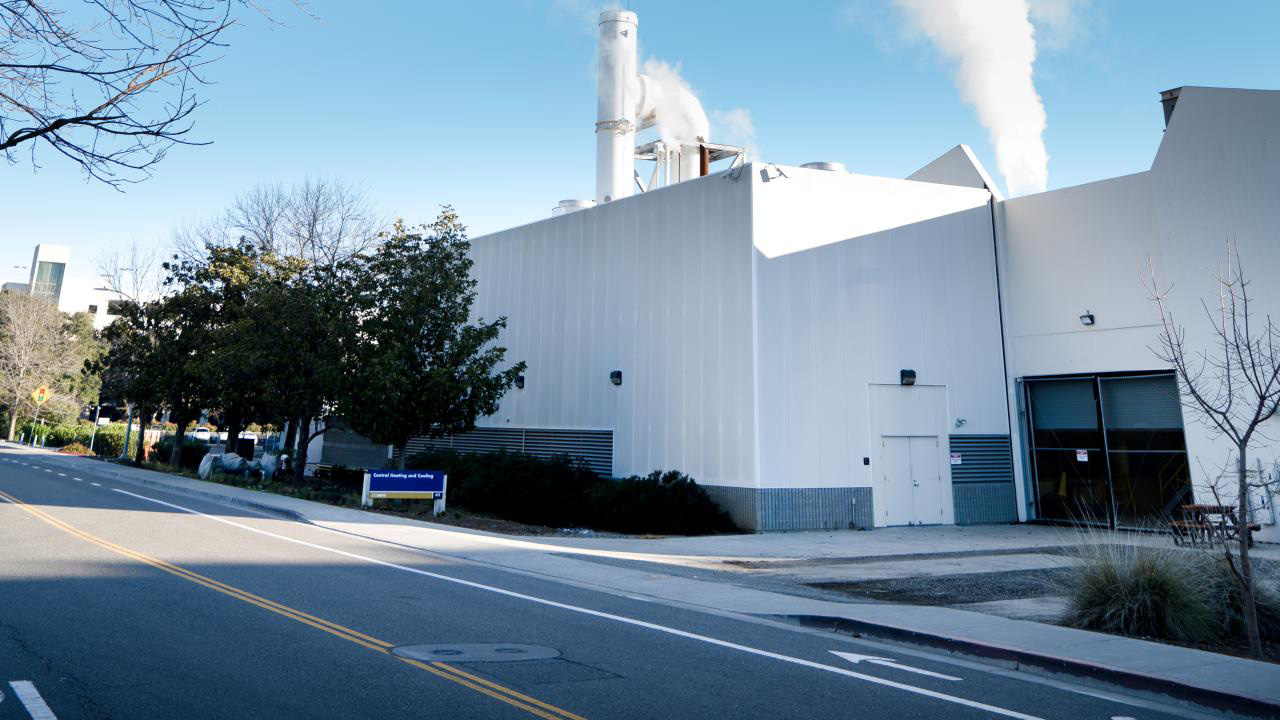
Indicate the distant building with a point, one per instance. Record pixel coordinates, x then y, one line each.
48 267
49 280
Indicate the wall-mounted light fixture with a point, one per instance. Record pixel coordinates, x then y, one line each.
907 377
961 422
615 377
1087 318
520 382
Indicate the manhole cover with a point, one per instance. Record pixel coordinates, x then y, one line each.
476 652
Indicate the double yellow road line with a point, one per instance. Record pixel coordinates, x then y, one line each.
448 672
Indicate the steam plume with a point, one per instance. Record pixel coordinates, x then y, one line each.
993 45
679 113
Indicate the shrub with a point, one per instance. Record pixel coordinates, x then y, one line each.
1266 598
1159 592
189 457
661 503
110 440
560 492
74 448
343 478
58 435
1165 592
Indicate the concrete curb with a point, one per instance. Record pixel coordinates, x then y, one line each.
1210 697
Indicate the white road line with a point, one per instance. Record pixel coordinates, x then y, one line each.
95 484
607 616
62 474
31 700
78 479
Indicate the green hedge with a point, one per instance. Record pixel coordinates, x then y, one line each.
58 435
562 494
108 442
192 452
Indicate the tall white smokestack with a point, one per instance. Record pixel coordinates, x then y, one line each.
616 108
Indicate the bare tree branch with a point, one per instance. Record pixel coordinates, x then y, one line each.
111 86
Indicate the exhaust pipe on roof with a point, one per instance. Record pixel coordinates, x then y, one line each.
616 91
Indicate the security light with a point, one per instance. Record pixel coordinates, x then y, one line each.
615 377
520 382
907 377
1086 318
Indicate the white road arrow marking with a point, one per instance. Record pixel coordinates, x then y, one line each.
856 658
30 698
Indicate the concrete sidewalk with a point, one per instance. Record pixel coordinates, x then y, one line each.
635 567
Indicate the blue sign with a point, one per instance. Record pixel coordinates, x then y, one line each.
406 481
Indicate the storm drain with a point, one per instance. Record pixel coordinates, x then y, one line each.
476 652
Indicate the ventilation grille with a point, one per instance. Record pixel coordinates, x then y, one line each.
983 458
594 448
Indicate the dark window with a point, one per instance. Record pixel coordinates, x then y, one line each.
1108 449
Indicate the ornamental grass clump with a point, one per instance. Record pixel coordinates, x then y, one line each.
1145 591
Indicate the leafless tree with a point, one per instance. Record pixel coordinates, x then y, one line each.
35 350
131 271
320 221
1233 386
110 85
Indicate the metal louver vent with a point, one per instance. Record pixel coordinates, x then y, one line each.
594 448
983 458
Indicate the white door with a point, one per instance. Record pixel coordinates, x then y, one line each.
911 483
896 482
910 477
926 486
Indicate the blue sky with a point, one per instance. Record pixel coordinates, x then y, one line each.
489 106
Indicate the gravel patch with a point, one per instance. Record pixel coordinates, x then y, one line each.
957 589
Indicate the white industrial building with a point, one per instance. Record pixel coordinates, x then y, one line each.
823 349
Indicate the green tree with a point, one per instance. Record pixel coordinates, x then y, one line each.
419 366
158 356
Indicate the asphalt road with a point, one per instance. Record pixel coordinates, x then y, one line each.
122 601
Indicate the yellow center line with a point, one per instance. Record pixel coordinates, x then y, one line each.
448 672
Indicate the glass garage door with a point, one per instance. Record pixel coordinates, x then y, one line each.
1107 449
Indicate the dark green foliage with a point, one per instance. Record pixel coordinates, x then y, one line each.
342 477
57 435
191 455
561 493
663 503
422 367
110 440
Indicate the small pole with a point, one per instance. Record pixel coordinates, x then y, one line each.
96 414
128 428
438 509
364 493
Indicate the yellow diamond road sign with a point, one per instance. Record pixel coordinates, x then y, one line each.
41 395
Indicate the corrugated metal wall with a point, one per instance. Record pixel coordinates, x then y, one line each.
657 285
594 448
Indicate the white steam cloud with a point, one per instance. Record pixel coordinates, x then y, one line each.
677 110
734 127
993 45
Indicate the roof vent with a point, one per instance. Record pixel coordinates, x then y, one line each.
829 166
567 206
